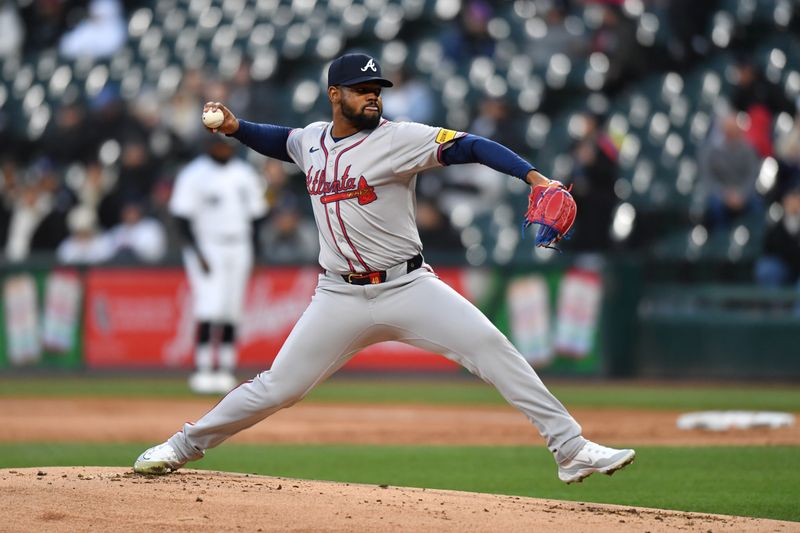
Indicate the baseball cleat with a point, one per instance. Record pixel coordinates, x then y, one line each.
594 458
160 459
224 381
203 382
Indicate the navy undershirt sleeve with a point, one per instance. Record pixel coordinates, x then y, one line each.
477 149
266 139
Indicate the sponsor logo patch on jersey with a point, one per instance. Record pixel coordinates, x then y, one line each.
445 136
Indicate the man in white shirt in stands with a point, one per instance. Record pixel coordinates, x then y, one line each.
138 237
85 245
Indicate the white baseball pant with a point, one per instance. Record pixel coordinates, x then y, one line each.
218 296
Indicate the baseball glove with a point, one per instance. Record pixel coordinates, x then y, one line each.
553 208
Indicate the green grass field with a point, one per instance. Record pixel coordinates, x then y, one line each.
745 481
369 390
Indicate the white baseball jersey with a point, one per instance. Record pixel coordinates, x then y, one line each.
362 190
220 200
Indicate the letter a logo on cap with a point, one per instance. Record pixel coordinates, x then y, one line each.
370 65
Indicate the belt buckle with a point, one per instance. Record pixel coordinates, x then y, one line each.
374 277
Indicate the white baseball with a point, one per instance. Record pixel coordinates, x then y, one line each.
213 118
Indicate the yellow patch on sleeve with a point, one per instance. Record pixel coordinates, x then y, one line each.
445 136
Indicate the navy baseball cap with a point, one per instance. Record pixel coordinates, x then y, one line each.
351 69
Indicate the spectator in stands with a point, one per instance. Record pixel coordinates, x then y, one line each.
288 237
409 99
65 140
109 118
137 175
54 228
758 129
100 35
780 263
12 32
761 100
751 88
94 188
475 188
729 167
45 22
595 171
787 146
787 153
163 145
240 89
36 221
281 187
8 185
138 238
556 40
86 244
470 37
435 230
616 39
138 168
689 21
30 209
494 121
286 226
181 113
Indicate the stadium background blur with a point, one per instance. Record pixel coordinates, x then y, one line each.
676 123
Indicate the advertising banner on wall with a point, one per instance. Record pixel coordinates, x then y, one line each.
142 318
20 305
529 312
579 299
40 318
553 317
63 291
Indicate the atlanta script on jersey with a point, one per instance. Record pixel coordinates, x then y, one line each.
362 190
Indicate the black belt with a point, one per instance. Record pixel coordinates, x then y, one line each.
379 276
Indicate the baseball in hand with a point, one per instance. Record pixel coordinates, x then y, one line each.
213 118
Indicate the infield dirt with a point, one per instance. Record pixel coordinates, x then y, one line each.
137 420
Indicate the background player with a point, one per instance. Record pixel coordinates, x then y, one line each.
361 176
217 203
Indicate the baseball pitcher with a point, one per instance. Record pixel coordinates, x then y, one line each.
360 173
217 204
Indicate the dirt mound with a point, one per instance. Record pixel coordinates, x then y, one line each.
114 499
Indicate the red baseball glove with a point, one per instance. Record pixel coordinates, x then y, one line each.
553 208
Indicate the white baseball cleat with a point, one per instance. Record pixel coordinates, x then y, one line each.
160 459
594 458
203 382
224 381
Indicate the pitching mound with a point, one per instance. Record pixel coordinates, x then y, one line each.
115 499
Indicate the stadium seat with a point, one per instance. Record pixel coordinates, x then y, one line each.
657 120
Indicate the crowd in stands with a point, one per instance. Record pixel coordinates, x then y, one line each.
93 185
